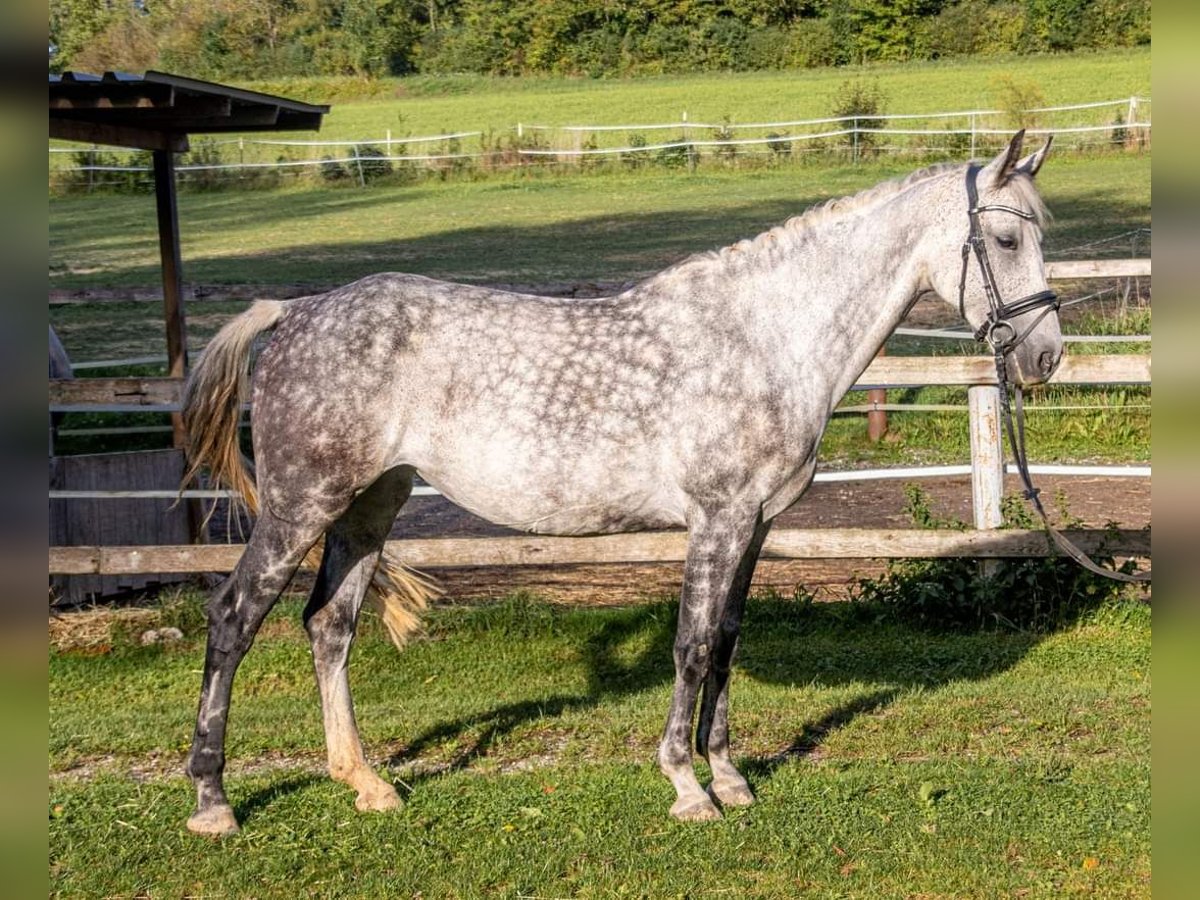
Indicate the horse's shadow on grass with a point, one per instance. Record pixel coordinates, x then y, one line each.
268 795
783 642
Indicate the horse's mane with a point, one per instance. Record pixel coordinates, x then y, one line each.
795 228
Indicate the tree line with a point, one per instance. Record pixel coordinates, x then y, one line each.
264 39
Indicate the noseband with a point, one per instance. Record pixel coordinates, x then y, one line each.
1002 336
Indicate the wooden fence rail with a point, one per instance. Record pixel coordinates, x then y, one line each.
154 394
646 547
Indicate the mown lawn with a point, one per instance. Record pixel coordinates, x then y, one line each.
888 761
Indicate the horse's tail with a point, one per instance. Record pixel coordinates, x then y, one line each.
213 397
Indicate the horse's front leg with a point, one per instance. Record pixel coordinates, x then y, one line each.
717 544
712 733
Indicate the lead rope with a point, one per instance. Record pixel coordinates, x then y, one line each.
1016 440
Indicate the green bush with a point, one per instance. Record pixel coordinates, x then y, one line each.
371 163
864 102
674 157
332 171
635 159
778 144
1016 97
1036 595
813 43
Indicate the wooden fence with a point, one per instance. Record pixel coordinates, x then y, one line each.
977 373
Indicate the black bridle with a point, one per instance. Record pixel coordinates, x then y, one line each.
1002 336
999 312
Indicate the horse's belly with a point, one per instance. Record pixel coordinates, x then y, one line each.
550 508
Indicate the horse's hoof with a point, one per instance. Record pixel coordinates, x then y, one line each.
691 809
215 821
731 793
380 800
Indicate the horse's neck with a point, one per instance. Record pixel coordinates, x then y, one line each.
838 296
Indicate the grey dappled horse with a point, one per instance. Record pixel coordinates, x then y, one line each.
696 398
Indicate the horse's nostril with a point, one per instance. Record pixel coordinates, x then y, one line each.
1046 362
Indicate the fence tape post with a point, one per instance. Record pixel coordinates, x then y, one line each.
362 181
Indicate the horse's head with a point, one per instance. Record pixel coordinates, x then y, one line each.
994 272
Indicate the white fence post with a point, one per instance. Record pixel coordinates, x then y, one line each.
987 455
362 179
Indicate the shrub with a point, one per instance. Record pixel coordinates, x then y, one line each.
124 182
635 159
371 163
673 157
1017 97
778 144
864 102
332 171
767 48
1038 595
1120 134
724 132
812 43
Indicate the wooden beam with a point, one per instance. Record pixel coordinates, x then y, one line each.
91 95
172 276
116 135
917 371
148 115
1098 268
132 391
646 547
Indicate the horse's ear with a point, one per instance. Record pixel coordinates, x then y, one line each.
1030 164
1000 169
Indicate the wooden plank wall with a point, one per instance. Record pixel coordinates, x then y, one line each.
76 523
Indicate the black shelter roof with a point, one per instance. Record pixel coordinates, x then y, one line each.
157 110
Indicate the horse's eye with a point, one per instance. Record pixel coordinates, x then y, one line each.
1008 242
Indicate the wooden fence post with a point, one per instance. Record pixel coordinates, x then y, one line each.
877 423
987 455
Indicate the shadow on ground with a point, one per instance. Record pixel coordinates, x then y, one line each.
784 642
614 246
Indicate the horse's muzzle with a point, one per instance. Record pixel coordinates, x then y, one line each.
1032 365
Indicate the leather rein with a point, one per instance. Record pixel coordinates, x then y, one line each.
1002 336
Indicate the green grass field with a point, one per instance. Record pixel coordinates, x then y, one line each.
434 105
888 761
518 228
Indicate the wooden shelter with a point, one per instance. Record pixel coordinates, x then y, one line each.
158 112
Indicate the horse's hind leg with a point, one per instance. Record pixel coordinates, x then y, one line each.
235 612
712 732
352 548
